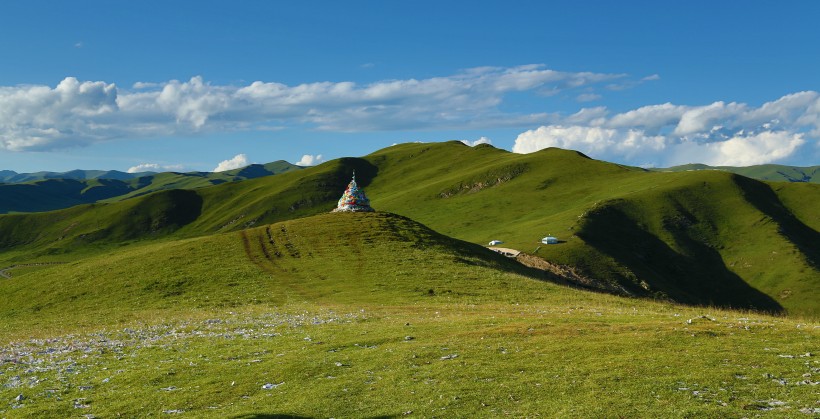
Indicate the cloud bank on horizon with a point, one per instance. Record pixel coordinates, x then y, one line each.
730 134
78 113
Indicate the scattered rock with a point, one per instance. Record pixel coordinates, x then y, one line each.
408 338
270 386
451 356
699 317
171 388
19 398
780 381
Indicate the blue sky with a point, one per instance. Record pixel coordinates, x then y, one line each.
199 86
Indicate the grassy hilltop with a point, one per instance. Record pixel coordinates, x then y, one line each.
373 315
705 237
773 172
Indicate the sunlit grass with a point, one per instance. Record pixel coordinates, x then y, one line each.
374 315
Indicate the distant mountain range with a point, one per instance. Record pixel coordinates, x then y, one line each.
770 172
46 191
9 176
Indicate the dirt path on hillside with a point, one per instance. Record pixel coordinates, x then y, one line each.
505 251
569 274
6 274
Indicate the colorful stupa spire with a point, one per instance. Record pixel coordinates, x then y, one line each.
354 199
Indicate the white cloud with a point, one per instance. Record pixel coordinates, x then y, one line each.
145 167
310 160
238 161
719 133
74 113
154 167
739 150
482 140
590 140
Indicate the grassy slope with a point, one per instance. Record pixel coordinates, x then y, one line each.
200 325
698 237
709 233
770 172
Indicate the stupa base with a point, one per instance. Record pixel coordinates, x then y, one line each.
354 209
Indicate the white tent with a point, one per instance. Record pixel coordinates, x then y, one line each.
549 240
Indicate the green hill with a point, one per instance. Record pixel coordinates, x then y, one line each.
175 275
9 176
48 191
703 237
770 172
344 315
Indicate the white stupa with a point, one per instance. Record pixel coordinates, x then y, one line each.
354 199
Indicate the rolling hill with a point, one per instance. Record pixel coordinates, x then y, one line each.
770 172
46 191
703 237
10 176
349 314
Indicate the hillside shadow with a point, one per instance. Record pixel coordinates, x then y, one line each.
762 197
694 275
159 213
365 171
472 254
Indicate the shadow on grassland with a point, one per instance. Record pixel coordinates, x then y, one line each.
697 275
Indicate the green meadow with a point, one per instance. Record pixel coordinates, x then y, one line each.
248 299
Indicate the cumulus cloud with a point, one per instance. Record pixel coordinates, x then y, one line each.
310 160
75 113
482 140
238 161
719 133
595 141
154 167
